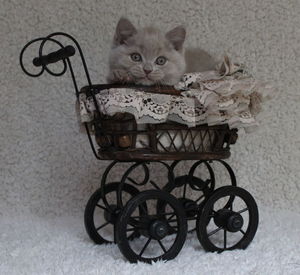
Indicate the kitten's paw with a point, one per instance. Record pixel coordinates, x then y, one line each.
122 76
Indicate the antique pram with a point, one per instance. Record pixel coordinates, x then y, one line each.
152 224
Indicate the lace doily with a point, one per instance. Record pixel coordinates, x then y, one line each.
227 95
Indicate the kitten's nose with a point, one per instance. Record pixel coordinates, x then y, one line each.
147 68
147 71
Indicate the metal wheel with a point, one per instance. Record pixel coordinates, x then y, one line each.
192 192
155 242
99 219
227 226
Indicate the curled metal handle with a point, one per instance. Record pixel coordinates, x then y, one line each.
62 55
54 57
41 58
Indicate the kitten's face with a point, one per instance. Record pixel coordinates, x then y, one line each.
147 55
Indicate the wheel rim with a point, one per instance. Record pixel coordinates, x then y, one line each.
154 243
222 226
100 219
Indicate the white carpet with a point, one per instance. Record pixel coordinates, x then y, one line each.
35 245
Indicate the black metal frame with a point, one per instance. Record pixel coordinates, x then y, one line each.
63 55
125 178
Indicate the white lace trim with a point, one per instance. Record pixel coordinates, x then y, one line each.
227 95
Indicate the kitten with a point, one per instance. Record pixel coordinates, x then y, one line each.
146 56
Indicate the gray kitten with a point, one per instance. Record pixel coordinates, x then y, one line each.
146 56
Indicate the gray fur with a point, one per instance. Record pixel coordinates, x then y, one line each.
150 43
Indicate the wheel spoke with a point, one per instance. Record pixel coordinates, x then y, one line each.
184 190
101 206
242 231
214 231
116 194
225 239
228 206
138 224
154 184
171 217
243 210
199 198
162 246
132 219
143 208
133 181
145 246
101 226
192 230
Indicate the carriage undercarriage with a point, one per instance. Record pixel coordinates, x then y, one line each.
153 224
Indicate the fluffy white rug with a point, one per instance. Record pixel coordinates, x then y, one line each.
35 245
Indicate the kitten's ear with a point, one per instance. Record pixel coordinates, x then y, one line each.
124 30
177 36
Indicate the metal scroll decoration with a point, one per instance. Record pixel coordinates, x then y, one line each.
62 55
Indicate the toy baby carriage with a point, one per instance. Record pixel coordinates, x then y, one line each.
151 221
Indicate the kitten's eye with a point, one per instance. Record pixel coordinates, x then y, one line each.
161 60
136 57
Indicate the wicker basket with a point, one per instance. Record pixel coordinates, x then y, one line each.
117 136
